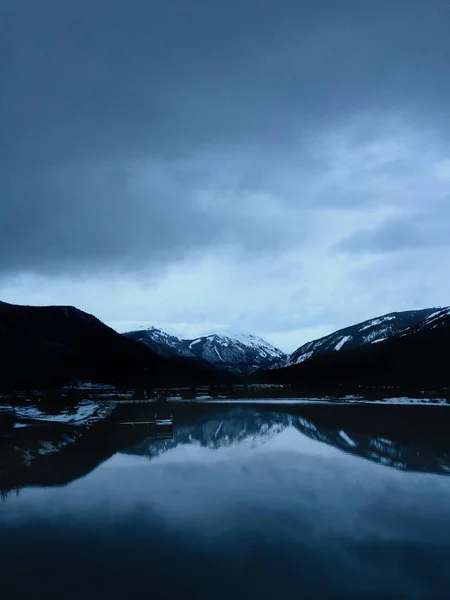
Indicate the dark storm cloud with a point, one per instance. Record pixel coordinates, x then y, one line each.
425 229
132 130
394 235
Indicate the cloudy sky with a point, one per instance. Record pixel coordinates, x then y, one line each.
280 167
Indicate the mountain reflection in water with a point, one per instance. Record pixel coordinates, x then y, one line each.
243 501
421 450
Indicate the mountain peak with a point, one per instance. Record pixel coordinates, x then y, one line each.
236 351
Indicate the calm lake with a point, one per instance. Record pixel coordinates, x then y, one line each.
243 502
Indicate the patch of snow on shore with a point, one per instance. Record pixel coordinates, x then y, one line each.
81 414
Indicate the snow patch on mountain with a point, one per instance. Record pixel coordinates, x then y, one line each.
376 322
378 341
435 319
343 341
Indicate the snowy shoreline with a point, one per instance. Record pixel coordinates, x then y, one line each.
84 413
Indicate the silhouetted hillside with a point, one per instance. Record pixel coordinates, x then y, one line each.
52 345
419 355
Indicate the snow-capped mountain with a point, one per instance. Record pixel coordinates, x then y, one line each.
240 353
160 342
373 331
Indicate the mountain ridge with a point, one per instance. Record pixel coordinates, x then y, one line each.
416 355
237 352
371 331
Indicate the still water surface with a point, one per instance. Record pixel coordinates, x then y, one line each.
240 504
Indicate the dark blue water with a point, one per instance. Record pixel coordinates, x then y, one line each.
239 504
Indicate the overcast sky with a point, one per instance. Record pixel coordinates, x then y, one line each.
279 167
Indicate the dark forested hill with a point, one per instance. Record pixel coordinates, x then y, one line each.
50 345
418 355
373 331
